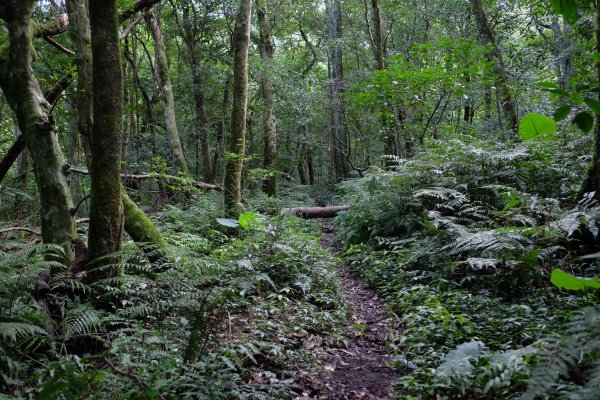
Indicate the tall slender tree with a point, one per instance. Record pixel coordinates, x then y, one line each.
267 49
232 189
164 77
106 208
339 134
495 56
189 32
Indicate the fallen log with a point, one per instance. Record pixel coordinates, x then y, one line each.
316 212
160 177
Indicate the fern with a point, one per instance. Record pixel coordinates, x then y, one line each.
13 331
579 345
80 321
494 243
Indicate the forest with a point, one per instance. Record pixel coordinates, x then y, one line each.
300 199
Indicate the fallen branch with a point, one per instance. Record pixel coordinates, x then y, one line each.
20 229
167 178
316 212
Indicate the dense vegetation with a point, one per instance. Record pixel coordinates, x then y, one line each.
154 152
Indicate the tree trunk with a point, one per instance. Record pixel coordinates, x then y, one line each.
162 68
494 55
138 225
199 101
267 49
379 40
302 167
316 212
26 99
221 128
591 184
232 188
21 178
339 140
106 207
82 40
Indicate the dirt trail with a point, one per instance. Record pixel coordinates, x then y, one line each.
363 370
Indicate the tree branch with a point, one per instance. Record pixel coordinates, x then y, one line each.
138 6
155 176
59 46
13 152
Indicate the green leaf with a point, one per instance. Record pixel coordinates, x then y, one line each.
547 85
576 97
246 219
552 87
567 8
596 57
534 124
228 222
561 113
584 121
593 104
564 280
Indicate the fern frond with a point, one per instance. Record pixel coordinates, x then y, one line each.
82 320
12 331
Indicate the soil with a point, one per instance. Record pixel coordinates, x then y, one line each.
362 370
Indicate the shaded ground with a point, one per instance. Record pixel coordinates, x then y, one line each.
363 370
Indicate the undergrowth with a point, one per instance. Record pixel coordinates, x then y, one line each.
222 313
461 240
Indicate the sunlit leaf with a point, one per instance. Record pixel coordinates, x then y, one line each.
564 280
533 125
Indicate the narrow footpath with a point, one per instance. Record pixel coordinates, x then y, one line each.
363 370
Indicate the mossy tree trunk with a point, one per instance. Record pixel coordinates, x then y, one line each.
137 224
162 67
232 188
267 49
33 112
106 208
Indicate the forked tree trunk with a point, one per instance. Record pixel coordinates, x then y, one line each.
267 49
137 224
26 99
106 207
164 77
232 188
494 55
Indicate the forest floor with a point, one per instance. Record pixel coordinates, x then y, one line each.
364 369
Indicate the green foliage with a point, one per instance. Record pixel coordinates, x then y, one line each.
206 318
461 241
